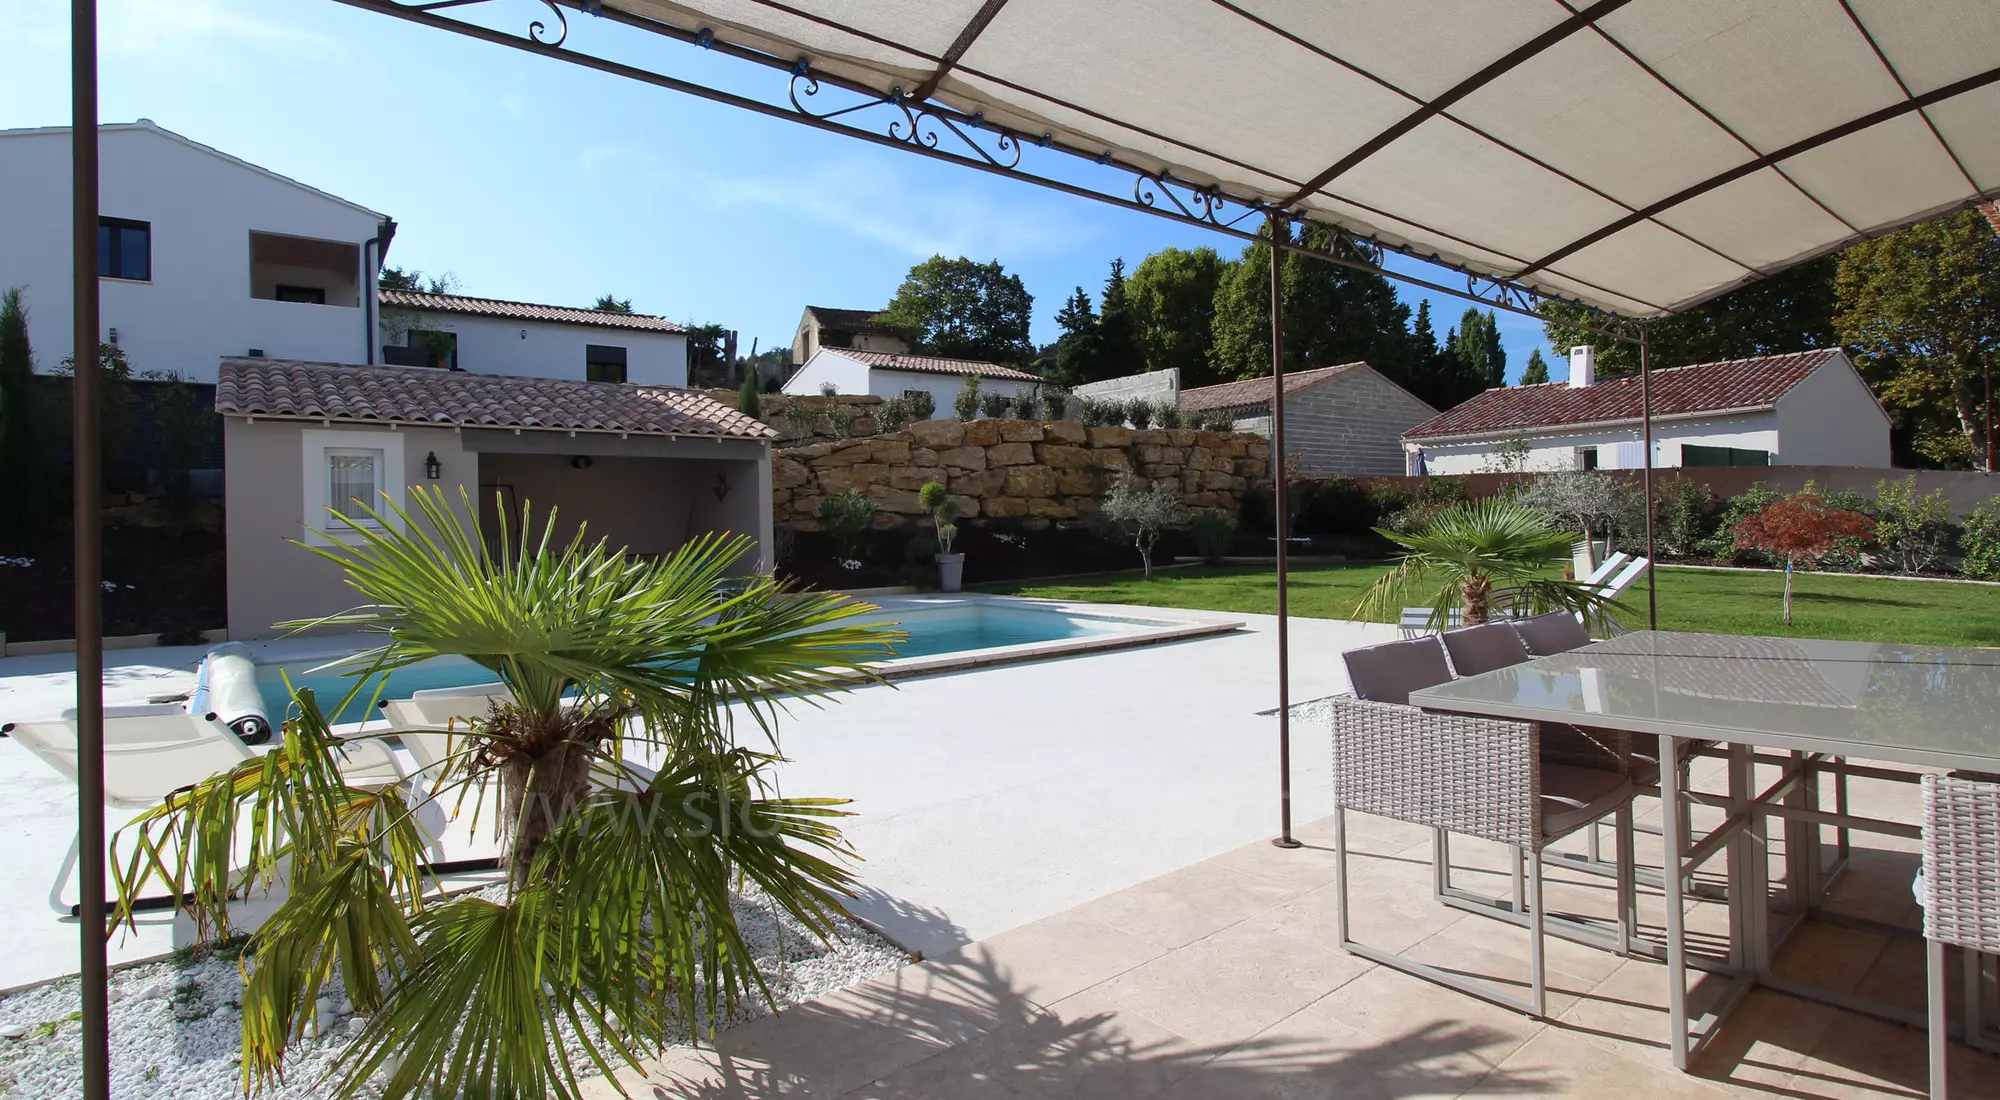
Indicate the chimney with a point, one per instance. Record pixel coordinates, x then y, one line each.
1582 367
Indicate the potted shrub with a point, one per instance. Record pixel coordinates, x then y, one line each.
944 509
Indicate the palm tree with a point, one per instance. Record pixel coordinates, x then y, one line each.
615 921
1483 556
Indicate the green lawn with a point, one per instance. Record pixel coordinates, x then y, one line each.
1869 609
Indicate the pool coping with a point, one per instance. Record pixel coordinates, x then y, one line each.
1164 625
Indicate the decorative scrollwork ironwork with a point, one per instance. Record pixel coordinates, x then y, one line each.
537 30
922 125
1205 204
1498 292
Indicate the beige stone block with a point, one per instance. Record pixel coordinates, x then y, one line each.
1181 437
982 433
1036 523
780 498
979 483
1020 431
1010 454
967 506
899 501
1150 453
789 474
1003 507
923 456
845 454
1214 441
1110 437
1110 458
1029 481
1062 455
1065 431
1153 436
807 454
1054 509
1235 447
1161 470
806 508
914 477
937 433
1212 481
963 458
892 451
1086 506
1081 482
1259 449
1205 458
885 520
839 479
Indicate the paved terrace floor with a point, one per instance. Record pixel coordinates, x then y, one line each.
1221 980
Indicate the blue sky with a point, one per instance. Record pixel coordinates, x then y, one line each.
532 179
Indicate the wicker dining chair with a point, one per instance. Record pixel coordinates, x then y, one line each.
1960 892
1482 777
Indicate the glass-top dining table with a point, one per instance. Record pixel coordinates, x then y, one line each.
1799 707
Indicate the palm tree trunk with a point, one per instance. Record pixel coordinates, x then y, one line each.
537 794
1478 594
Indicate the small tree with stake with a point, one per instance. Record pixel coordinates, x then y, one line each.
1143 511
1800 529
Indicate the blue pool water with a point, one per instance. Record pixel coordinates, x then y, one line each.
932 632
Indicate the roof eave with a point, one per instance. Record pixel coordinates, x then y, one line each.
460 425
1582 425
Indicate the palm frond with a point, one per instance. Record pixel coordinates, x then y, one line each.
1493 542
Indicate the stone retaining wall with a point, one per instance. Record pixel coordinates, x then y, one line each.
1030 471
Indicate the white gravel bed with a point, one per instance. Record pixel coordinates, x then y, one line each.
176 1027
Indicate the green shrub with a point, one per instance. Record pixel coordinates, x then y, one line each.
1387 498
1168 415
1686 513
1139 412
994 405
1257 513
1055 402
1913 528
920 403
1721 543
1337 506
1214 533
1981 541
847 518
801 419
1026 405
746 397
840 420
944 508
966 404
891 414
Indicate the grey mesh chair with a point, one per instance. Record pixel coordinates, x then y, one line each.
1960 892
1482 777
1550 634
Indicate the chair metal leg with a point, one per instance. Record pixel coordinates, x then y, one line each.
63 873
1934 960
1539 995
1628 879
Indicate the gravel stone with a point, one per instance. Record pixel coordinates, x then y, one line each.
176 1028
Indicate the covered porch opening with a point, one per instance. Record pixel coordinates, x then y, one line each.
650 495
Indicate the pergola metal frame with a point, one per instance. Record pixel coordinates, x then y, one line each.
918 125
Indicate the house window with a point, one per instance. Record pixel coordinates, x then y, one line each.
310 295
1695 455
440 349
125 249
354 479
603 363
1586 458
285 268
345 470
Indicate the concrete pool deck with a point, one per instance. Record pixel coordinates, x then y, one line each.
985 798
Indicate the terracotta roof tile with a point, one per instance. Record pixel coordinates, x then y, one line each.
1256 391
422 395
524 311
931 364
1679 391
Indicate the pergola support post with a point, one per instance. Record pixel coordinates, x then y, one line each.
88 494
1284 839
1646 424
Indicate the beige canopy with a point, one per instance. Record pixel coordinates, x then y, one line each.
1637 155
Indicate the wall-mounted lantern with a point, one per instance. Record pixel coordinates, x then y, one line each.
432 469
721 486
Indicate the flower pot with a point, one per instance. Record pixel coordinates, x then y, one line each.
951 571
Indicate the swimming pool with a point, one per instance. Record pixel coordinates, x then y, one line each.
945 632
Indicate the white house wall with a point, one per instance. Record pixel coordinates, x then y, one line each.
943 388
1831 419
846 375
1752 431
202 208
537 349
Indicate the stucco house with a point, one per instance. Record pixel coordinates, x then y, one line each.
647 467
826 327
887 374
1346 419
202 255
1807 408
487 336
